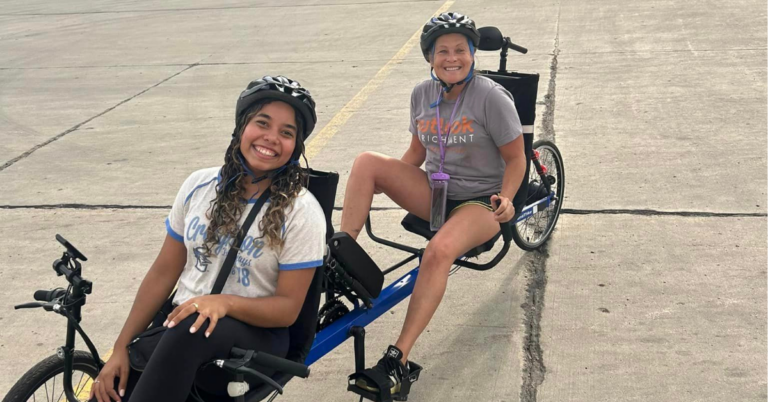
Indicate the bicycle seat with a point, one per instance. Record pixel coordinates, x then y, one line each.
416 225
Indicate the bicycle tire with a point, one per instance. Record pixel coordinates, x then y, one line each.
37 377
544 220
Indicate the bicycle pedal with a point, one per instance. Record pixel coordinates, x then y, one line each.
405 386
371 396
415 371
400 395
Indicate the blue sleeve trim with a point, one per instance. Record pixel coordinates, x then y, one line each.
301 265
186 200
170 231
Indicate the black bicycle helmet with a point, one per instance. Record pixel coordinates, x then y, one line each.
447 23
282 89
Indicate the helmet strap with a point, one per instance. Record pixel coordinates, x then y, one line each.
268 175
448 87
248 170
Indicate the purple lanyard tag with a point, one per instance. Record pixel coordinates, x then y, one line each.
440 137
439 176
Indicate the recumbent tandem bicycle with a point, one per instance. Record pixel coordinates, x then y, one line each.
350 281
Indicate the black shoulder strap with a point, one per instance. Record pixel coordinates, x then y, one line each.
226 268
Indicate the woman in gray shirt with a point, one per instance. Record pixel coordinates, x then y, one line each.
482 152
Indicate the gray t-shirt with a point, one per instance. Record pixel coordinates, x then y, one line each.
486 118
255 271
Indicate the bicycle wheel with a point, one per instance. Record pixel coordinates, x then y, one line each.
45 381
534 231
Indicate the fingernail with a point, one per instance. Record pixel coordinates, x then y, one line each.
171 324
192 330
207 334
165 324
122 393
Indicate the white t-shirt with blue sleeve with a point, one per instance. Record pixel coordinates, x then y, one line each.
255 271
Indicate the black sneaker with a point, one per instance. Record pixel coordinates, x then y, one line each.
389 372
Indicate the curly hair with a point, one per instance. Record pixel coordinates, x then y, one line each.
228 206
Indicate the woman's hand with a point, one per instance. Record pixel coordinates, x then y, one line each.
210 307
103 387
504 208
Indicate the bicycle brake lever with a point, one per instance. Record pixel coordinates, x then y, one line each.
234 367
29 305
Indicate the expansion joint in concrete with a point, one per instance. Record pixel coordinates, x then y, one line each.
77 126
652 212
90 207
548 117
534 370
568 211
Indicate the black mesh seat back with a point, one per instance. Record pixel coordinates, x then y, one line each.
323 186
524 89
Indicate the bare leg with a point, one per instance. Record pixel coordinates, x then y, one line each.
405 184
468 227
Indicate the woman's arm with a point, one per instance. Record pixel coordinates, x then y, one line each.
280 310
416 153
154 290
513 154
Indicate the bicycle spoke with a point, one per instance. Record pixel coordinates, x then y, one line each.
61 394
538 226
81 384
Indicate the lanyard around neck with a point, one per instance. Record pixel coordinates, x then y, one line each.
440 137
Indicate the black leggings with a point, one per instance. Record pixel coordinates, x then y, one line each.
174 365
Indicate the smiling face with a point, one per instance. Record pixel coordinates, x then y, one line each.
451 58
269 137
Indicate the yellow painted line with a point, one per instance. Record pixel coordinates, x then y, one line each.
321 139
86 391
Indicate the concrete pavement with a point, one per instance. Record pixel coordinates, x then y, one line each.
652 288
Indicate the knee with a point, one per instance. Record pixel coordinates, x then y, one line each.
181 346
179 334
438 256
366 163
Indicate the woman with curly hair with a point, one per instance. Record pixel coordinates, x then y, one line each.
275 263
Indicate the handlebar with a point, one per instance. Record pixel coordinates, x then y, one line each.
49 295
274 362
516 47
506 231
506 227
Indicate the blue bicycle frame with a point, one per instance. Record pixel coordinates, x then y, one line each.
336 333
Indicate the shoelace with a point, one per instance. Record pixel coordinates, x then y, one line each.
393 368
